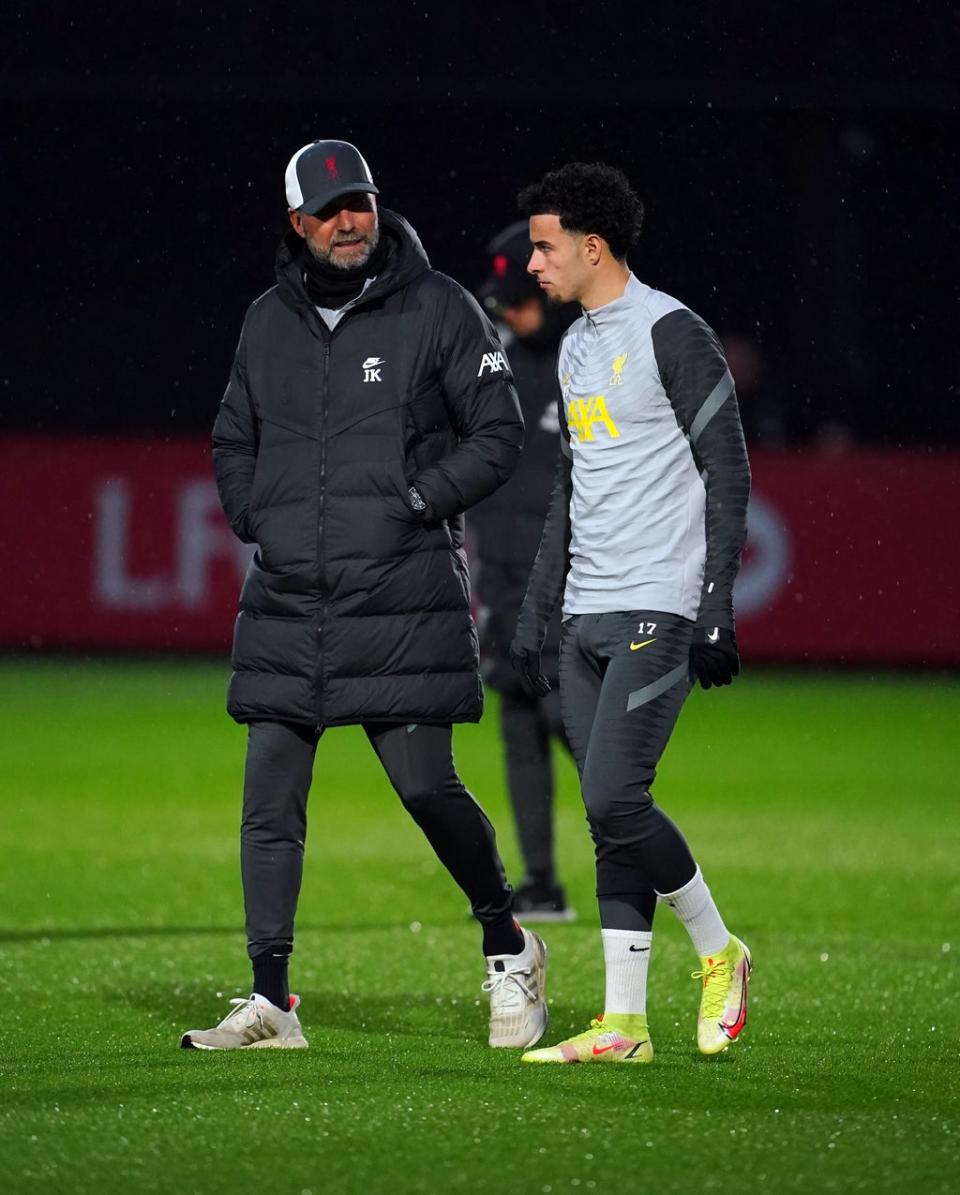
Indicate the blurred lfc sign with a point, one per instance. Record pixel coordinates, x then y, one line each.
201 536
120 543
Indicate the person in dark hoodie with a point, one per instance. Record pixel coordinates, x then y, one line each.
505 532
370 404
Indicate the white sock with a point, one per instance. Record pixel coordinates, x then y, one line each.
626 954
695 907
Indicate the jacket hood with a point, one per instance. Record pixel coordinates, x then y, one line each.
407 260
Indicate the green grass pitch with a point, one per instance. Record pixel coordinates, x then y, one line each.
822 808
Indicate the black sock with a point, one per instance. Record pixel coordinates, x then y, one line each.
502 936
270 978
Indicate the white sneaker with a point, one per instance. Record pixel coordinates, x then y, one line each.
254 1024
518 1006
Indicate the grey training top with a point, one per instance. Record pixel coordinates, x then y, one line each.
657 479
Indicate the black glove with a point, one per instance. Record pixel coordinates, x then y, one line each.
526 662
714 659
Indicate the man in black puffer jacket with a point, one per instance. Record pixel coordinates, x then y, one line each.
369 406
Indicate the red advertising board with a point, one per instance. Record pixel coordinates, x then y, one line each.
120 544
852 558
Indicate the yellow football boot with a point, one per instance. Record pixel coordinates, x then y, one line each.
612 1037
723 1001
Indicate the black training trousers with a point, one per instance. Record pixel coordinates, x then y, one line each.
527 725
418 761
623 680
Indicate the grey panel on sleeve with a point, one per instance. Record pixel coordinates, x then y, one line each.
715 400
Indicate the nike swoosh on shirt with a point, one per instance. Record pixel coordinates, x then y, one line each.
713 635
645 643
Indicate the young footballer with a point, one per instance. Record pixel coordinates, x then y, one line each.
642 542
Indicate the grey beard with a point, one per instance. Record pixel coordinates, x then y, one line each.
327 258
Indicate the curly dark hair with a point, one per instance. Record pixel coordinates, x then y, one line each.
589 197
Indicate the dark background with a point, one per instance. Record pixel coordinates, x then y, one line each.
799 165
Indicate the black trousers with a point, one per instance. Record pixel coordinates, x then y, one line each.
419 763
527 725
623 680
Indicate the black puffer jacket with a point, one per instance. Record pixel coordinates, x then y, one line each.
356 608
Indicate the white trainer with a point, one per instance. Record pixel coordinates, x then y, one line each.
518 1006
253 1024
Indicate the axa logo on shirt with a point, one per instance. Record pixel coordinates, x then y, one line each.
495 362
583 413
371 369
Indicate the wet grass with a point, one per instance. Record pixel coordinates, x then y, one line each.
822 809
